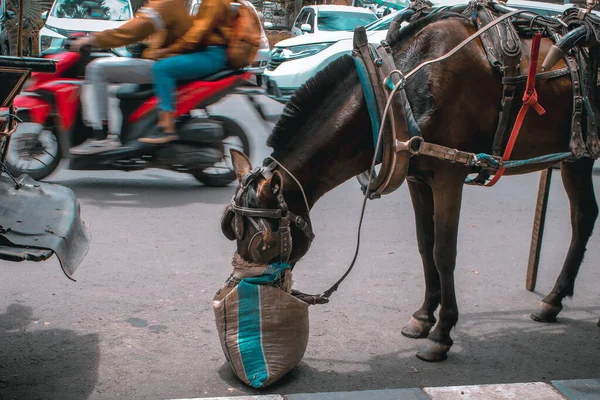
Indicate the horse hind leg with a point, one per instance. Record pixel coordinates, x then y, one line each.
423 319
577 179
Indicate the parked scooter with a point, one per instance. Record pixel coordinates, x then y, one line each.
51 103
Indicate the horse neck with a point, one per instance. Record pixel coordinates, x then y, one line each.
336 149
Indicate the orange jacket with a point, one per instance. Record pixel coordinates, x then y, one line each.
160 21
212 26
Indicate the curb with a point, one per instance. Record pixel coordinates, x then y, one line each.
574 389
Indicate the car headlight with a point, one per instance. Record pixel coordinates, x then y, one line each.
45 42
294 52
50 44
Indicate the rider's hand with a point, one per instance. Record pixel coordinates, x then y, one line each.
78 43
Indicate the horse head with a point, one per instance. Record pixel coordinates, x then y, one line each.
259 217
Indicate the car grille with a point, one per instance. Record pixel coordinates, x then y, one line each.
64 32
272 64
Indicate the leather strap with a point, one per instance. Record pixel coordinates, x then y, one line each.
379 64
513 80
576 144
590 99
447 153
529 101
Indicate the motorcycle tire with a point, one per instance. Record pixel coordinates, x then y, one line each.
43 156
234 137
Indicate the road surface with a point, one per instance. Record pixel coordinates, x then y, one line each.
138 323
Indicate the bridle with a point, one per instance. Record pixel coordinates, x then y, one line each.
233 220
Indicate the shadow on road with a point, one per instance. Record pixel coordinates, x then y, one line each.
46 363
144 193
491 347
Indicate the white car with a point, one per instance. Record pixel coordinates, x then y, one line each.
81 16
330 18
294 61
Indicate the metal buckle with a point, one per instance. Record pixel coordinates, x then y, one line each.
454 155
408 145
389 84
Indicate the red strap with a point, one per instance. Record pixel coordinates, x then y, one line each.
530 100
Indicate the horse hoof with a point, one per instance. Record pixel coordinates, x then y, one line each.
416 329
433 352
546 313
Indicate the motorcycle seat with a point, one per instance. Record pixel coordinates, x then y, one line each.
131 91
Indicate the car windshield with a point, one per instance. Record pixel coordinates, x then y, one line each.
107 10
383 23
343 21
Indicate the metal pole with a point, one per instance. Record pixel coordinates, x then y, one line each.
20 30
538 229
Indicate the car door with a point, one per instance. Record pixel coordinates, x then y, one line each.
311 20
296 31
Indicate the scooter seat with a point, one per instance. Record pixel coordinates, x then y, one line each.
214 77
131 91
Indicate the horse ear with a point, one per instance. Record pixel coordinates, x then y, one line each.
270 187
241 163
276 182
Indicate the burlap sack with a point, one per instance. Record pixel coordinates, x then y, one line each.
262 328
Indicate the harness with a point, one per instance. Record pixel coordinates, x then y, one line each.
261 249
384 90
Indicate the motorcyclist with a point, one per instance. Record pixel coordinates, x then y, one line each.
200 52
160 23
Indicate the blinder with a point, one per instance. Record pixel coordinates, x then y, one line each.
236 215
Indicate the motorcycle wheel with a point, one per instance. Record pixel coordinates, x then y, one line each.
222 173
34 155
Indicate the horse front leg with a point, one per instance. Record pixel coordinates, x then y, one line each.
423 319
577 179
447 196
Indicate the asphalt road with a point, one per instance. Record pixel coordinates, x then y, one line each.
138 323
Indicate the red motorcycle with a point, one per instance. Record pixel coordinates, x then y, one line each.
50 106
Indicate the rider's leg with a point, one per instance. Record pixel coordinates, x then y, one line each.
167 72
98 75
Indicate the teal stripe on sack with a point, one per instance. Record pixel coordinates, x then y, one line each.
249 336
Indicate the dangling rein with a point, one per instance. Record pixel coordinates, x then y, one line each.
530 100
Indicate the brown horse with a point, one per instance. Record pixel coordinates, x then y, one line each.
324 138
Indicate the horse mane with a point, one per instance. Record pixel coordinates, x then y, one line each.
306 99
409 31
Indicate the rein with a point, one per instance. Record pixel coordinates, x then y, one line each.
284 215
